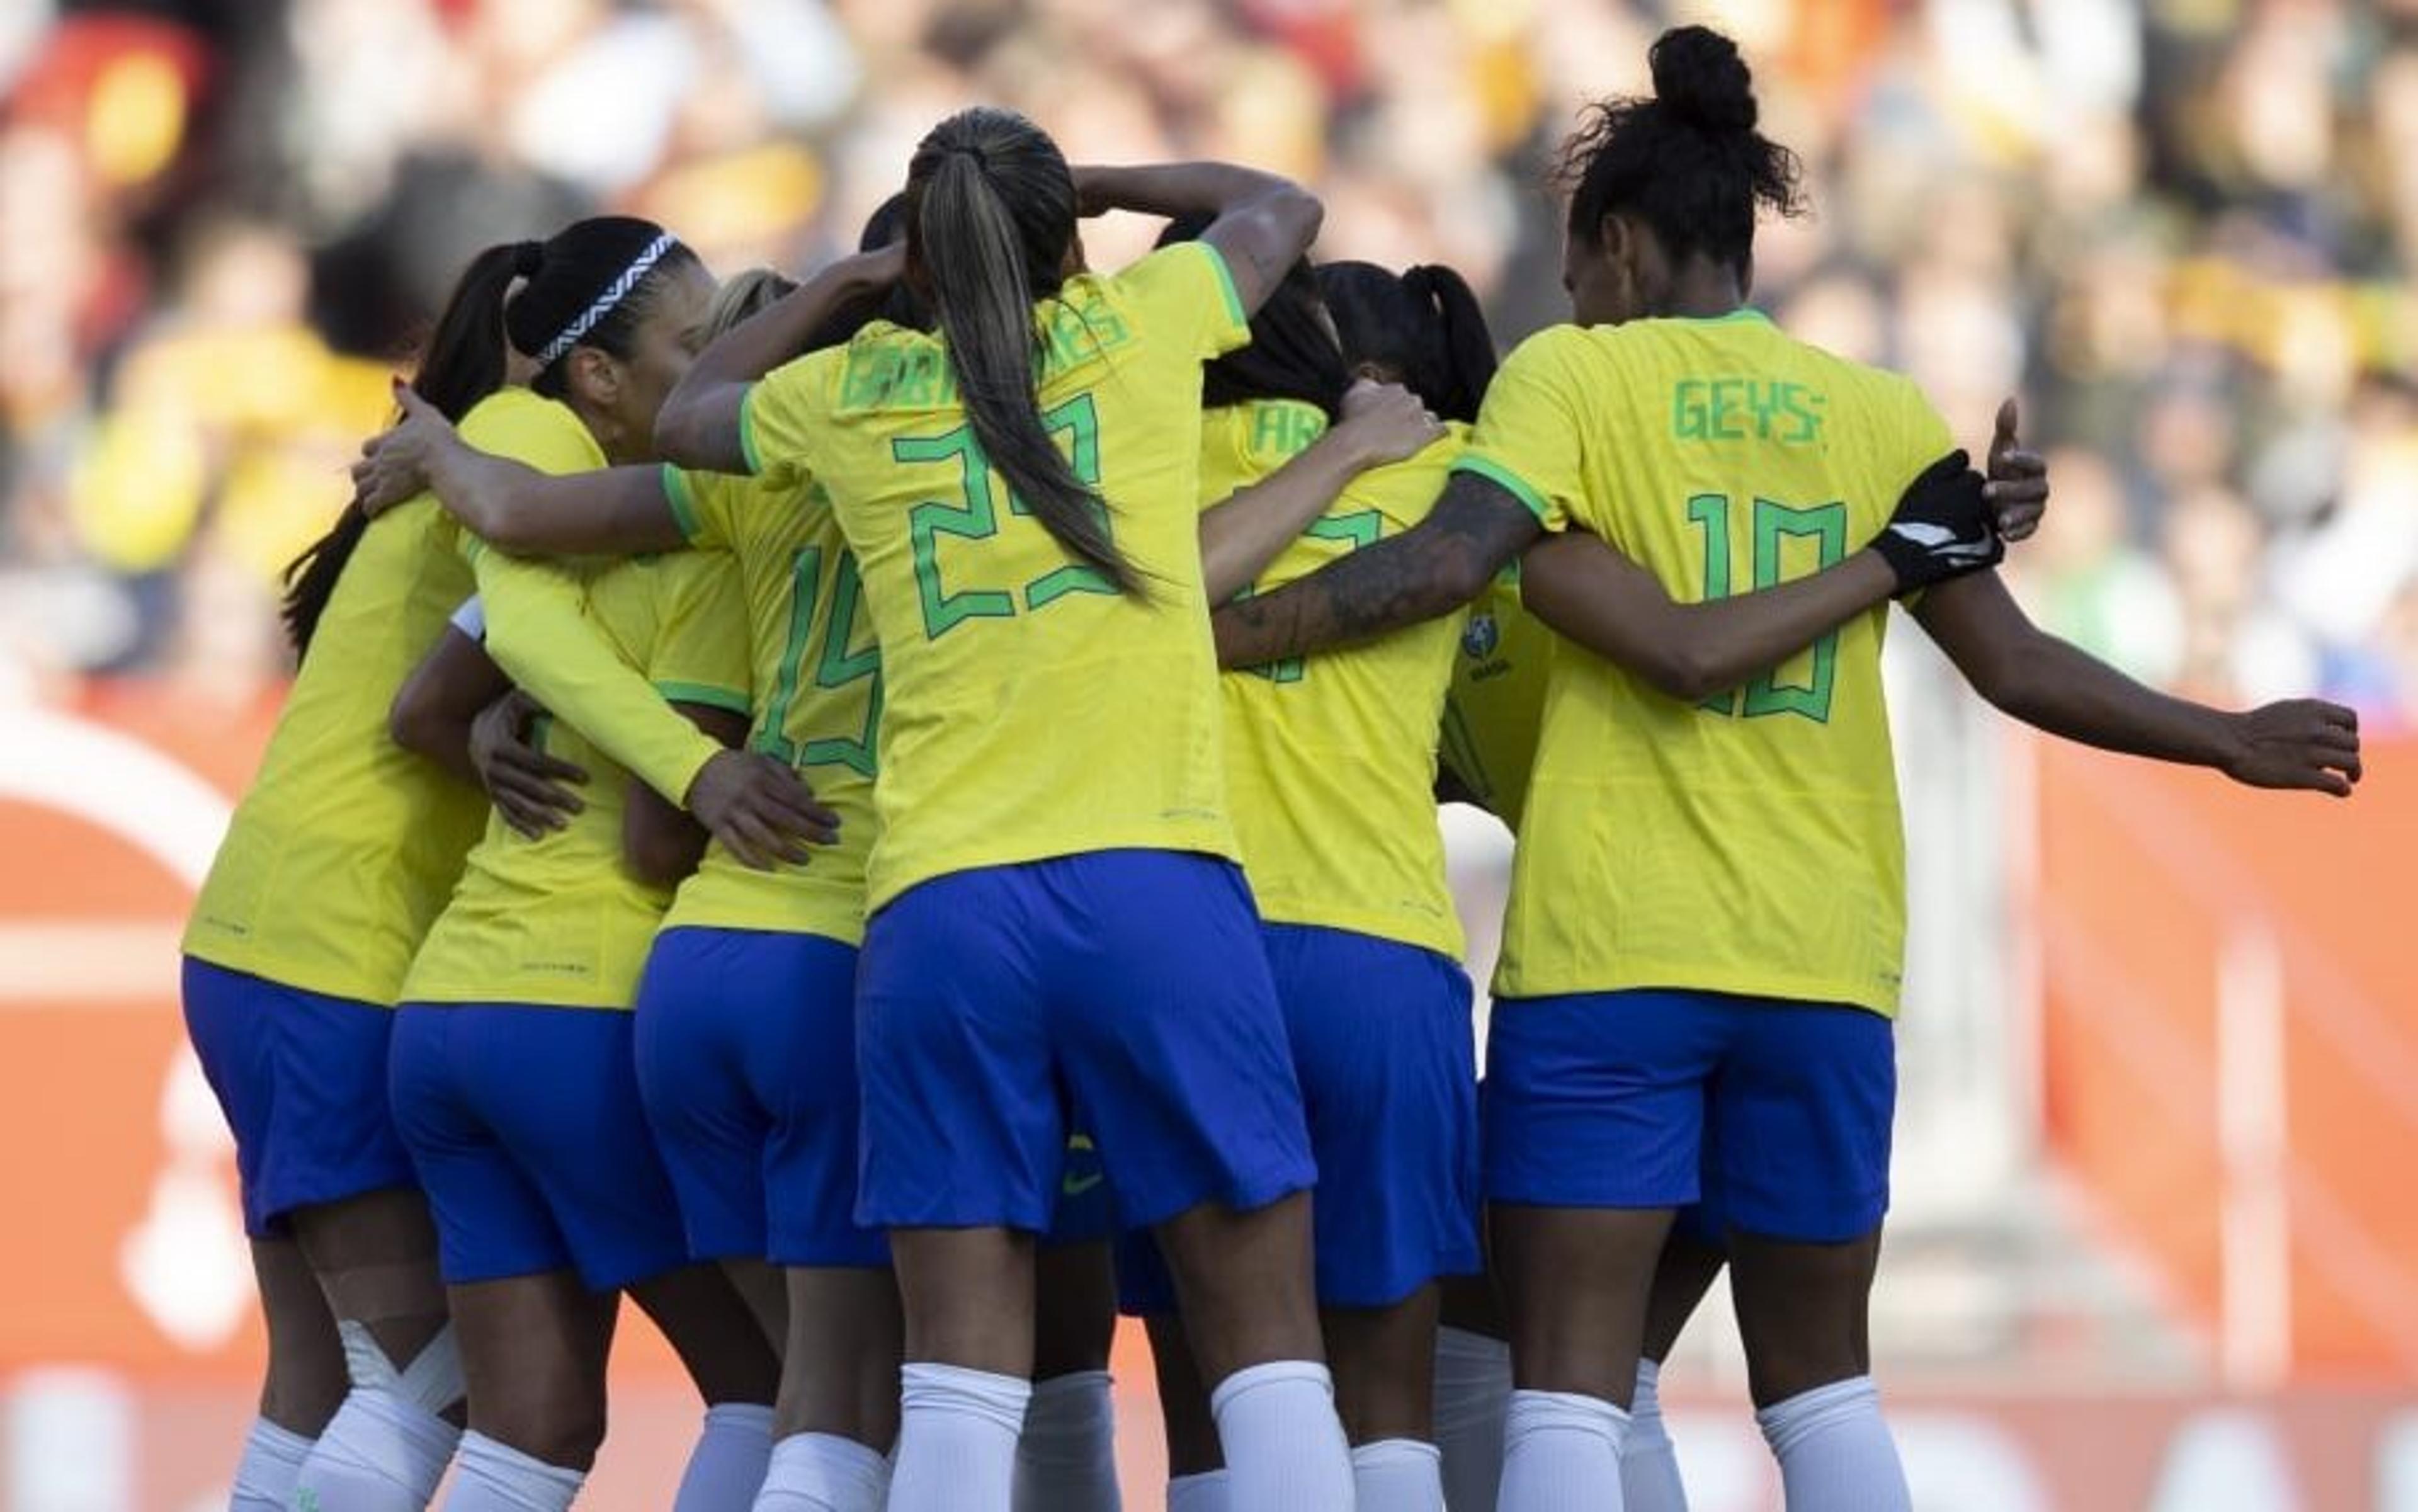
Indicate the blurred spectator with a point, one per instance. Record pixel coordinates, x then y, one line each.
2184 232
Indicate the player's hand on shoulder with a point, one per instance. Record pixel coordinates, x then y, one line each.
1943 527
395 465
761 809
2017 489
2297 744
1386 422
531 789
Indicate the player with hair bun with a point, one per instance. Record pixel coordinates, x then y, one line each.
1700 960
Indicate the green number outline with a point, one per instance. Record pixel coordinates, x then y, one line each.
1827 524
834 669
1359 528
978 519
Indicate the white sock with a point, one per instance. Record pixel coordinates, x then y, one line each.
957 1440
1396 1475
1561 1453
496 1477
1204 1492
1649 1465
1284 1445
379 1454
825 1473
1067 1461
1473 1387
726 1467
1835 1453
265 1476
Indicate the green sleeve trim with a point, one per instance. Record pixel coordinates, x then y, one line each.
1235 309
703 695
747 432
1510 482
682 502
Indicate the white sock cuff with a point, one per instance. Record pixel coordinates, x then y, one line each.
1077 1385
527 1479
1275 1374
834 1469
998 1400
1788 1423
1646 1401
740 1417
1382 1452
281 1444
1460 1350
1203 1492
1563 1412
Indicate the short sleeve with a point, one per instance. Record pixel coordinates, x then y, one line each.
705 506
1186 294
1927 435
472 619
778 418
700 656
533 430
1529 440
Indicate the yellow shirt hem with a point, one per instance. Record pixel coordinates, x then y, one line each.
1512 982
1208 838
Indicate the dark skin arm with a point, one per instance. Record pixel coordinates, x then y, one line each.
698 425
436 706
458 710
1264 222
2049 684
660 843
1594 595
1431 569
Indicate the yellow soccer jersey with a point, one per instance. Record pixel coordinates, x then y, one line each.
1241 444
816 675
1751 842
1331 759
346 845
1029 710
344 850
535 629
559 920
1497 701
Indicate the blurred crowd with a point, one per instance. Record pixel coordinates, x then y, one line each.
2182 230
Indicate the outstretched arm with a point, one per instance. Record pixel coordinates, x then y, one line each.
1265 221
698 425
1431 569
660 843
613 511
2049 684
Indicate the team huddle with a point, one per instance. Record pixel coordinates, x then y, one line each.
893 818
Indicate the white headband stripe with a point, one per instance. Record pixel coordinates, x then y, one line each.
603 305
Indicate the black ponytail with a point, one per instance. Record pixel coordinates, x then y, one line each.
600 277
1690 162
1423 329
465 365
1292 354
990 213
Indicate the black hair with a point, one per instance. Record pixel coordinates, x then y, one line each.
991 214
897 304
584 267
1291 355
1689 161
1424 328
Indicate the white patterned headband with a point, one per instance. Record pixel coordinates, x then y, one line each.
603 304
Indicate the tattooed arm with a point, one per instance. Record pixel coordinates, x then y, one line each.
1264 222
1431 569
